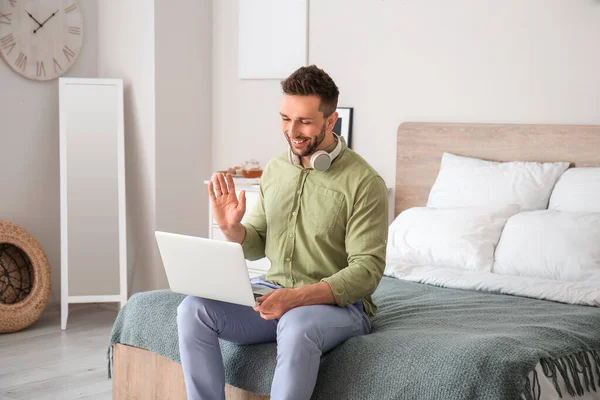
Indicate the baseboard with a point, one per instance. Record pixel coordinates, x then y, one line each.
79 306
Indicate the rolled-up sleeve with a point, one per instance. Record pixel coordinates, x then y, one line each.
366 238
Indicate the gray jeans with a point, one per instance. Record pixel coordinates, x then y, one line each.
302 335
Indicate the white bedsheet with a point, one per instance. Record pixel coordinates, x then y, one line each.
585 293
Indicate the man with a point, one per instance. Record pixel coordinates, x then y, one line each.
322 224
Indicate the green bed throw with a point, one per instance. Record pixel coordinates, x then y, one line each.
427 342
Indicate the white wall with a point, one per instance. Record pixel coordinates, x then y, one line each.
183 32
507 61
126 51
245 113
162 50
30 158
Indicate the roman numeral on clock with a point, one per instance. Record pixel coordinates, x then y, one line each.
68 53
21 61
5 18
7 42
70 8
57 67
12 2
74 30
41 71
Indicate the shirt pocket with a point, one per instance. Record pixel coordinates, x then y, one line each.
323 207
278 202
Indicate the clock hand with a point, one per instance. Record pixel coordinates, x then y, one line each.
33 18
51 15
44 23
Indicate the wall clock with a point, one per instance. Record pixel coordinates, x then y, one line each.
40 39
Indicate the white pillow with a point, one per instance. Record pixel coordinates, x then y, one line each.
460 238
550 244
578 189
471 182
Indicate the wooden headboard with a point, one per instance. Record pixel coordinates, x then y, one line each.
421 145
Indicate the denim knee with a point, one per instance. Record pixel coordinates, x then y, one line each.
194 310
294 326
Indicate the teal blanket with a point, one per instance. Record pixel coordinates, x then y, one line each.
427 343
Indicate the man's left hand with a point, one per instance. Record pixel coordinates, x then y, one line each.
277 302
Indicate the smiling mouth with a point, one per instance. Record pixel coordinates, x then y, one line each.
299 142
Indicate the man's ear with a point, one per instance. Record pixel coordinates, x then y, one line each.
331 120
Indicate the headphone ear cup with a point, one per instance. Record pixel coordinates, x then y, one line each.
320 160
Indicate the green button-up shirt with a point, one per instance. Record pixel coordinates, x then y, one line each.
322 226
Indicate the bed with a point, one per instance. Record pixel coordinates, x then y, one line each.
472 343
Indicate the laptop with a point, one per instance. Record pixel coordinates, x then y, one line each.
208 268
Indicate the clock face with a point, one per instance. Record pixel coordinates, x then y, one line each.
40 39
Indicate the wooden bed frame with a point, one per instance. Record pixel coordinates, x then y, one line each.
421 145
141 374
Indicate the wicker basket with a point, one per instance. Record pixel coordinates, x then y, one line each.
24 278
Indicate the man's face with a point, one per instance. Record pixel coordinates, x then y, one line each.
302 123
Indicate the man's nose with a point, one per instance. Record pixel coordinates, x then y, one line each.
294 128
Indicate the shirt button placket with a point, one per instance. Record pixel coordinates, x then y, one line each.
292 228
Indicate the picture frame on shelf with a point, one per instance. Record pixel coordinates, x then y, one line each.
343 125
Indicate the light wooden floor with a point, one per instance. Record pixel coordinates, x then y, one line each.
42 362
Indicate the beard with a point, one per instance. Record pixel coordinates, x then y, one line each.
313 144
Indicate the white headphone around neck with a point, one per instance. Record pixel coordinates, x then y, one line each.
320 160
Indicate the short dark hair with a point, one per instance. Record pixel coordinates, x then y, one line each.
311 80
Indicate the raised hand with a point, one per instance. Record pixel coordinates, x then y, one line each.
226 208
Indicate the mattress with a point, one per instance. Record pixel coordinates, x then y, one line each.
426 342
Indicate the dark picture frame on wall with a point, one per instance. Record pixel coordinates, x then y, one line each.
343 125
